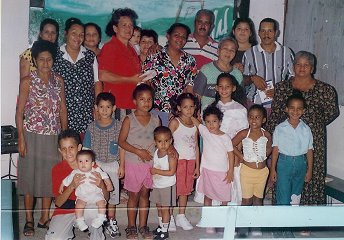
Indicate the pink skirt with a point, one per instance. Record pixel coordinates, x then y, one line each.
212 184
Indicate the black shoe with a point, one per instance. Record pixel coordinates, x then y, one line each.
161 235
156 231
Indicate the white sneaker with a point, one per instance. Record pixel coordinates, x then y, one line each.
256 233
98 222
81 224
172 226
183 222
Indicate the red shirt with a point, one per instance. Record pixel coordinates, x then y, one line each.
122 60
58 173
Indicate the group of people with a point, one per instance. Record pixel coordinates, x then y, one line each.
162 117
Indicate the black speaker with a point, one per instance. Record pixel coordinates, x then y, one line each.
9 139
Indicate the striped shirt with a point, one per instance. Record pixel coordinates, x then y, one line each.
274 67
203 55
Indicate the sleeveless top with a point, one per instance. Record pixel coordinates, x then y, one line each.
185 142
79 88
160 181
27 55
141 136
255 151
42 109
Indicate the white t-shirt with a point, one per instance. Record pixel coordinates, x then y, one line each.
185 141
215 150
162 163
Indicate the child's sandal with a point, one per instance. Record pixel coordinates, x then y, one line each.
145 233
131 233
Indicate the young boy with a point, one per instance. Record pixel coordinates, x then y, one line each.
164 179
87 192
102 137
63 219
293 151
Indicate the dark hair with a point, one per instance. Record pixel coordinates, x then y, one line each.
175 25
116 15
87 152
260 108
137 28
42 46
270 20
162 130
72 21
96 26
298 97
106 96
150 33
180 99
212 110
142 88
206 12
238 95
69 133
253 37
52 22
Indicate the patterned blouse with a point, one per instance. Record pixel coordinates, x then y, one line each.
42 109
27 55
79 86
170 81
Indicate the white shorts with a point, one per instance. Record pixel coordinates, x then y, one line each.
112 170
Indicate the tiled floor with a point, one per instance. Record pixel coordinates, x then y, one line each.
193 213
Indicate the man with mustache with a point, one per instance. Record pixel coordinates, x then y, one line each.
266 64
199 44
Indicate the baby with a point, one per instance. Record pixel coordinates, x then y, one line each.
86 192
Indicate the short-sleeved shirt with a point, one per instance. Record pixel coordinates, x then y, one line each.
58 173
274 67
27 55
293 141
215 150
103 140
170 81
205 82
122 60
204 55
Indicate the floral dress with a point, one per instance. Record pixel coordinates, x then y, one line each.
322 108
79 87
170 81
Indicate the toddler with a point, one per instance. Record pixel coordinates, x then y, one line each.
135 39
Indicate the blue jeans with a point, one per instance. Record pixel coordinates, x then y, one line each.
291 172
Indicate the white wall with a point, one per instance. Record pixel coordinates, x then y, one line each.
14 40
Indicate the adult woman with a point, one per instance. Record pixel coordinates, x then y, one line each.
93 37
119 65
322 108
206 78
48 30
244 32
79 68
148 38
40 116
175 70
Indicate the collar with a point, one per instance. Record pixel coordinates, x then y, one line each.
287 124
210 39
67 56
278 47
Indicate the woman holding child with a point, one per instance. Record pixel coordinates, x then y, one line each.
321 99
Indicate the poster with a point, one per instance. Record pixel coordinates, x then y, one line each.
153 14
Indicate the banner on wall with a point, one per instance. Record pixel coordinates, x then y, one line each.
153 14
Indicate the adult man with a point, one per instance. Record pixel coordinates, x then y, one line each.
266 64
199 43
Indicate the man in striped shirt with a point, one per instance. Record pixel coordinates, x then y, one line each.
199 43
266 64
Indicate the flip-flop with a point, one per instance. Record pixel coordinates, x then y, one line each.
29 230
44 225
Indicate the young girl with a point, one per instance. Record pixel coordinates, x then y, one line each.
185 137
256 148
136 138
217 159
